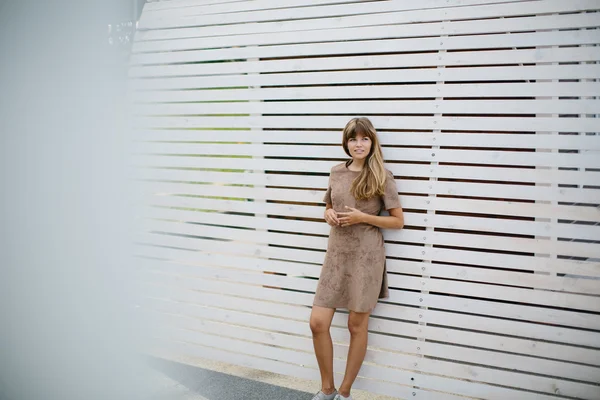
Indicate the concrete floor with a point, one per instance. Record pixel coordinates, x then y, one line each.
187 382
190 378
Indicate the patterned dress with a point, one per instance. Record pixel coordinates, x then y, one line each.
354 274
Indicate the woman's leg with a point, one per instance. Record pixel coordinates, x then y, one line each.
358 324
320 322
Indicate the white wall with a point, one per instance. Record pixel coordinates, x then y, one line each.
487 114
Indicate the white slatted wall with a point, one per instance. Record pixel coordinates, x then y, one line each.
487 111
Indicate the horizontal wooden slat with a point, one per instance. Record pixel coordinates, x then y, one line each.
492 41
357 62
184 7
467 90
372 107
381 30
578 213
482 173
454 139
363 33
539 210
335 122
223 6
214 6
478 190
540 159
186 18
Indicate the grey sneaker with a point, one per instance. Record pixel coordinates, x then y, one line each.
340 397
322 396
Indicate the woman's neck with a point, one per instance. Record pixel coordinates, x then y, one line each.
356 165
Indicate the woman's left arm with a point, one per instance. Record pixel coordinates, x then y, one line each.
354 216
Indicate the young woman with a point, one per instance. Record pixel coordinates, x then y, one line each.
354 274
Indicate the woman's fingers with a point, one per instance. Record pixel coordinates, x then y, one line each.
332 217
331 221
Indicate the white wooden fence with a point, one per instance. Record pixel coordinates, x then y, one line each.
487 111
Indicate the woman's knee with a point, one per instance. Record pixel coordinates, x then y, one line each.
358 323
320 319
318 325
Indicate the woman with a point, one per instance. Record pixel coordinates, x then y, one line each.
353 275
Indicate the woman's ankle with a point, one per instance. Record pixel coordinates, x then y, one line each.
328 389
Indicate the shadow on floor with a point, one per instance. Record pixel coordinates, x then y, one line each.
219 386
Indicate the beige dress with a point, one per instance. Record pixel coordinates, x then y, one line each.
354 274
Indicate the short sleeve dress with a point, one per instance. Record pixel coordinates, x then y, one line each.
354 274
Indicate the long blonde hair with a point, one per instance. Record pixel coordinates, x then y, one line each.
371 181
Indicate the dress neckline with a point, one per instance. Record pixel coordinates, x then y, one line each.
346 165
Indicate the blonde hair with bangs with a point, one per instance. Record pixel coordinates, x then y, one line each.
371 181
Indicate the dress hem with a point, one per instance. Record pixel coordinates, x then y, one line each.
345 307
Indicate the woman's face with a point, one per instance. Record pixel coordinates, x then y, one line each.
359 146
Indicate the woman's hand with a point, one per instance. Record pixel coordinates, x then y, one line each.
331 217
351 217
